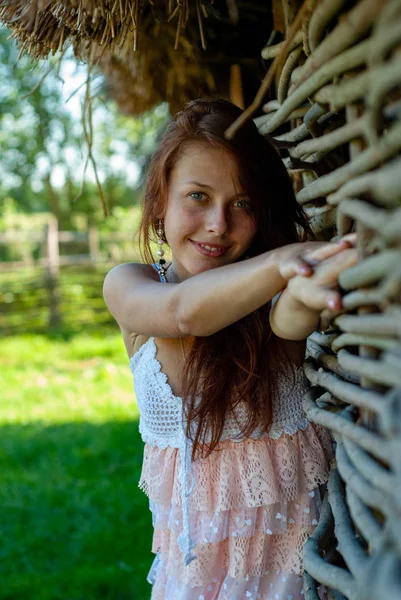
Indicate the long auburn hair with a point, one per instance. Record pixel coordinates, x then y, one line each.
242 362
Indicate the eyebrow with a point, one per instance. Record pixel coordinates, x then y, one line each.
205 185
200 184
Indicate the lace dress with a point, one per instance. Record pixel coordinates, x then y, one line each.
230 526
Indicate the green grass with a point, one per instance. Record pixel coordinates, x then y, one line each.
73 523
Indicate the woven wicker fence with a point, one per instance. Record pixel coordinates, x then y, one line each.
341 80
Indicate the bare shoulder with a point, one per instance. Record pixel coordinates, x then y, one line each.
128 272
117 282
140 303
121 280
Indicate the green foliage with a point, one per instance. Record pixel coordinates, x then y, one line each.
73 523
32 118
42 143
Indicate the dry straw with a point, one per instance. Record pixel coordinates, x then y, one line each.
108 33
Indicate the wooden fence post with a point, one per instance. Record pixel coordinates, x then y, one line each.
93 238
52 273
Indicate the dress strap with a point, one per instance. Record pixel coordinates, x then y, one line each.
185 543
156 267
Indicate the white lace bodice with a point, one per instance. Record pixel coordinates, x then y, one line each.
161 415
162 424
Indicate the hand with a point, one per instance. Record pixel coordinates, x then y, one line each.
300 259
320 290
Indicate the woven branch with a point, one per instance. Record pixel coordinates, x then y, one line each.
348 392
330 575
348 544
369 468
389 290
384 185
378 371
370 270
369 441
388 323
361 486
373 218
309 587
330 362
380 78
348 60
322 15
269 52
388 146
332 140
322 339
365 521
352 339
316 114
350 29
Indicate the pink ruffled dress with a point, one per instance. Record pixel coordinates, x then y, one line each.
230 526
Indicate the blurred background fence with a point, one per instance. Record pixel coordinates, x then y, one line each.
58 282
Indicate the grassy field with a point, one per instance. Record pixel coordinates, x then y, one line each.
73 523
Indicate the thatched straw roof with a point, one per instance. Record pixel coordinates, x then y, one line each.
149 51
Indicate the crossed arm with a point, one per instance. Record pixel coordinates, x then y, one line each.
212 300
296 314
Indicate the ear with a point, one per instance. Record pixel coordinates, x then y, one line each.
160 211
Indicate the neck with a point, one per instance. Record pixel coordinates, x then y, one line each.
171 276
176 273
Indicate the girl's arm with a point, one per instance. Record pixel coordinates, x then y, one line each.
210 301
296 314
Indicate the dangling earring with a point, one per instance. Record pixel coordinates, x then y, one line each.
160 251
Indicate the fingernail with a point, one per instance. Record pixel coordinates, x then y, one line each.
332 303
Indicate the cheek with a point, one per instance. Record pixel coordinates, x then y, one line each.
247 228
179 222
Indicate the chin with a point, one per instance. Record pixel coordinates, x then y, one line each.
200 268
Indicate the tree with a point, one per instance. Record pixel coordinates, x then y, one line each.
42 146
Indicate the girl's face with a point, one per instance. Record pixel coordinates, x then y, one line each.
208 219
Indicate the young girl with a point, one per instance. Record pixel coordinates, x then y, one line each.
231 464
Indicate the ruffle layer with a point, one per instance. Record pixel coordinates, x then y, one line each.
238 557
274 585
206 527
249 473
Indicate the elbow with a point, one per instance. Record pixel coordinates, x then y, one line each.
188 325
279 333
289 336
293 335
189 321
183 325
182 312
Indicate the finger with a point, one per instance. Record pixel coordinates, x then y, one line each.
294 267
328 271
334 301
322 253
350 239
302 267
322 298
314 296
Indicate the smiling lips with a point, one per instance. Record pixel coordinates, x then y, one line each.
212 250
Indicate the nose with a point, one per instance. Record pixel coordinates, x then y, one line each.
217 221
